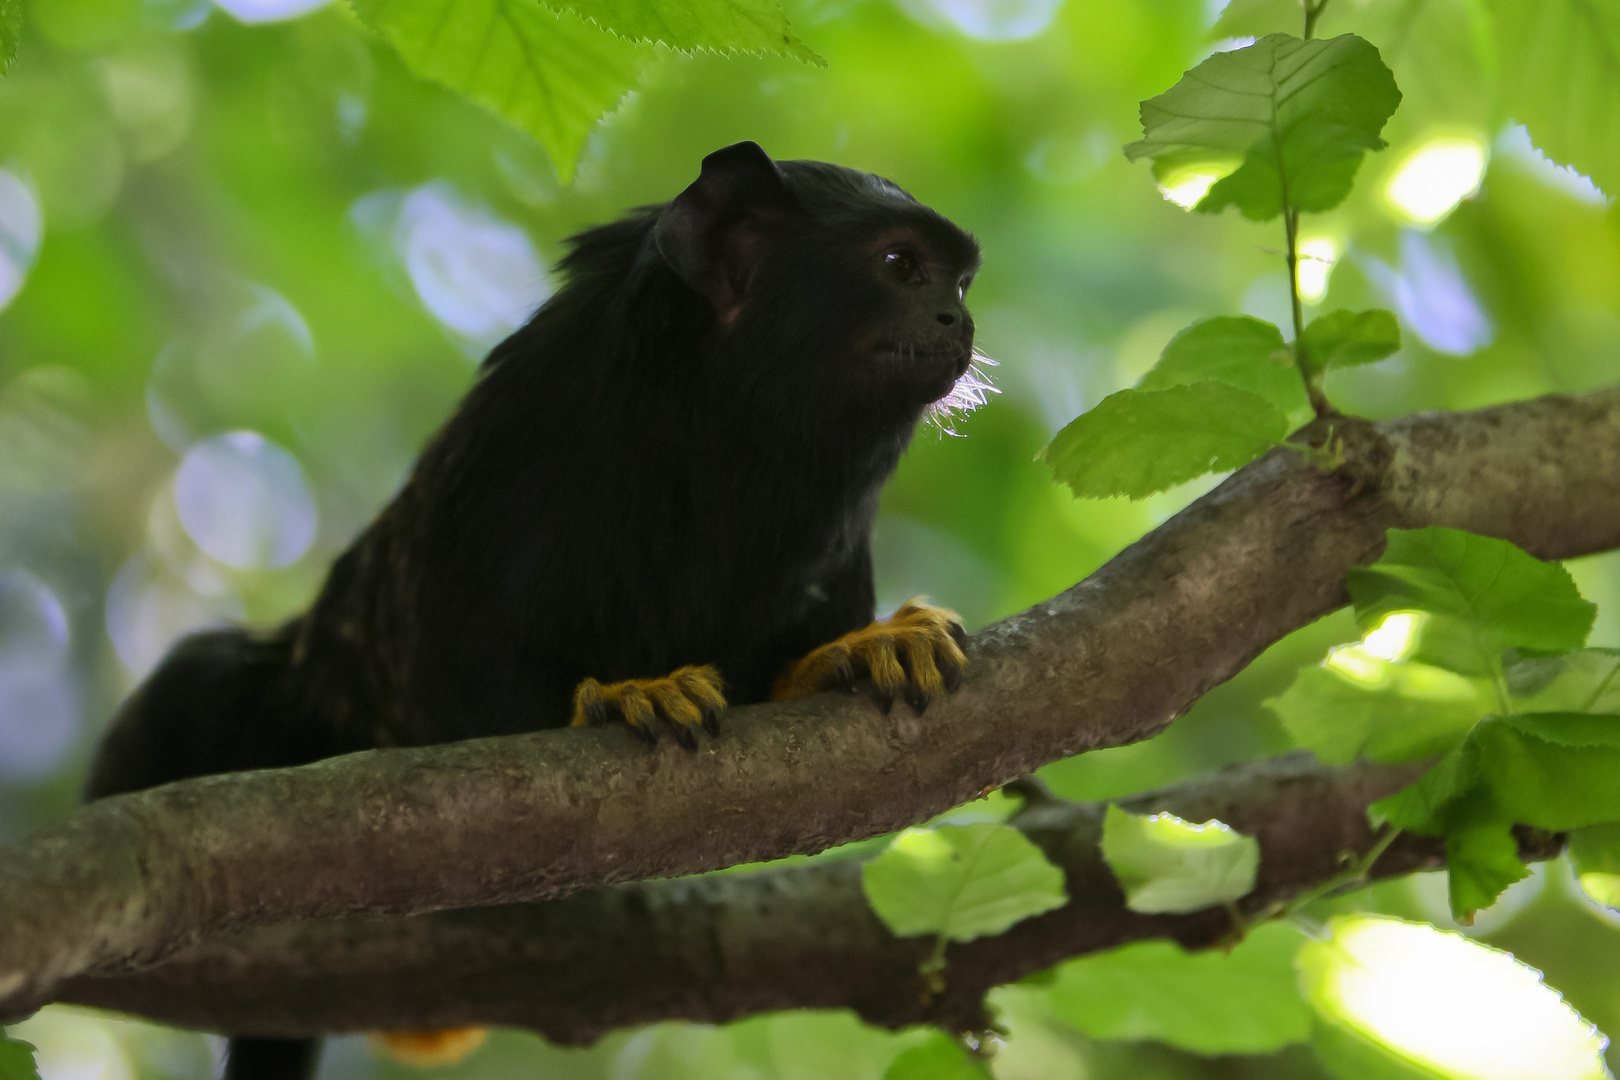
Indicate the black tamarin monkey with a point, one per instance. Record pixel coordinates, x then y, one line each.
657 498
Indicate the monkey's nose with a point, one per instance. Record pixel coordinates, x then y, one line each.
946 318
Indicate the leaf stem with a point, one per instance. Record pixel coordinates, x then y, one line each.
1499 683
1312 13
1313 386
932 971
1355 873
1602 688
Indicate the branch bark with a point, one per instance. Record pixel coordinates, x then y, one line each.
717 948
132 880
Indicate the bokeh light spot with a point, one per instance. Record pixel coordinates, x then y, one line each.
1186 188
1436 176
148 609
476 274
21 226
987 20
1437 1000
266 11
38 719
1432 298
1316 257
1395 637
244 501
247 366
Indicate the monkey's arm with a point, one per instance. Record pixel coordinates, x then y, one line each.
915 654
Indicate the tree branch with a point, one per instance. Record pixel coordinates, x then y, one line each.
717 948
132 880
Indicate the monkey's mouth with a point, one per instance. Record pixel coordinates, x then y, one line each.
954 377
947 359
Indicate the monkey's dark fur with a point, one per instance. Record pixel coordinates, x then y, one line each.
675 462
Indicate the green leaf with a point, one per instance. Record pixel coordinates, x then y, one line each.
1482 859
551 75
17 1060
1561 79
11 23
1241 1001
1552 770
1360 705
750 26
1138 442
1586 680
962 881
1245 352
940 1058
1394 999
1280 115
1349 338
1423 806
1595 854
1506 598
1165 864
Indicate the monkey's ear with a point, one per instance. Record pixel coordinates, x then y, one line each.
705 233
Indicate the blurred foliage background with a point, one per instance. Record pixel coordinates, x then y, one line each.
248 262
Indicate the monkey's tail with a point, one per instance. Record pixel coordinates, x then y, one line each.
217 703
272 1059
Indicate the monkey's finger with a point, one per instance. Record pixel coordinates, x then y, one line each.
704 688
926 680
950 660
902 655
888 676
589 706
637 711
677 710
958 635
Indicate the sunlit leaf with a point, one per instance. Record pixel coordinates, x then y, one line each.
1137 442
1237 1001
17 1060
552 75
750 26
1165 864
962 881
1560 64
1394 999
1482 859
1249 353
1359 705
1594 853
1281 115
1348 338
11 21
940 1058
1508 599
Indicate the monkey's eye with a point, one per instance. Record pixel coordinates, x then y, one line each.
963 286
903 265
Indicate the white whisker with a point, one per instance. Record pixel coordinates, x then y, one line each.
971 391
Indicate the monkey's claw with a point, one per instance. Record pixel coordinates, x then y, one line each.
684 700
914 654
